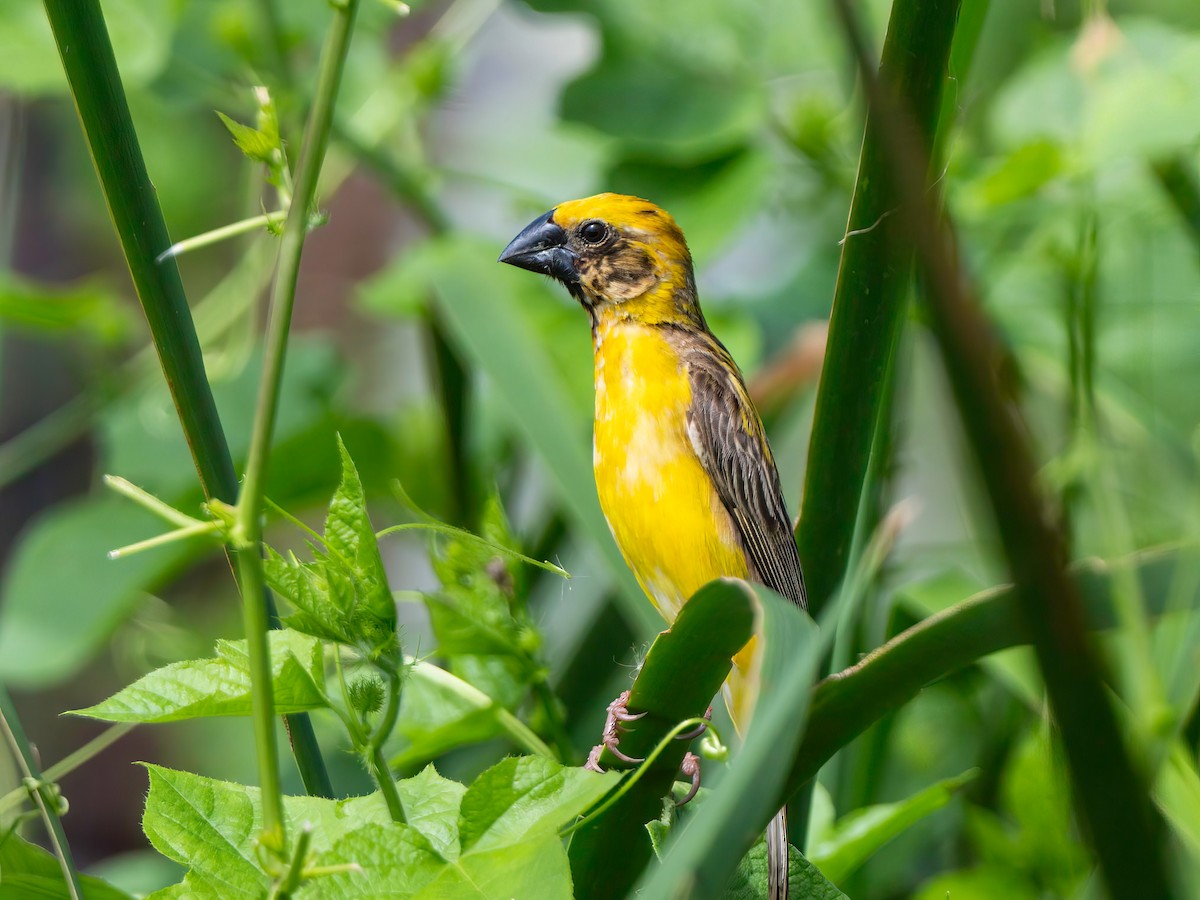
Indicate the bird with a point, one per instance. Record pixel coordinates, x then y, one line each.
684 472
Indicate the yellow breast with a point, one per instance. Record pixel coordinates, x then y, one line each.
660 504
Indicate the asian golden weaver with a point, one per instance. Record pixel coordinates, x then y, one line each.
683 469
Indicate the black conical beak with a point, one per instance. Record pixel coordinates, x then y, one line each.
542 247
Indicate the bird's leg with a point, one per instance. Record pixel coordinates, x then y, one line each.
618 715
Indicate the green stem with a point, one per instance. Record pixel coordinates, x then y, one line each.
256 623
91 69
376 760
71 762
233 229
868 304
291 247
14 735
250 500
1122 824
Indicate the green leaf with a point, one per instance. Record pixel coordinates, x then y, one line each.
395 861
524 797
791 649
220 686
431 806
56 615
1177 792
439 712
805 880
28 872
87 308
255 144
343 594
350 537
854 838
980 883
508 845
210 827
536 869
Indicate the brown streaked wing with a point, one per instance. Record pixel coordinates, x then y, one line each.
729 440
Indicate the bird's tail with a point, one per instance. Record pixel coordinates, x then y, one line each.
777 856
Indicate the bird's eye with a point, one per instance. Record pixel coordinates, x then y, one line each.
593 232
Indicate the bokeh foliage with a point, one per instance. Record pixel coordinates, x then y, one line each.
1069 164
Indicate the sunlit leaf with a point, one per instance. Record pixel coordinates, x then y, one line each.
221 685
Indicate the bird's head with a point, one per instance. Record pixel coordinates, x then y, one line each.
618 255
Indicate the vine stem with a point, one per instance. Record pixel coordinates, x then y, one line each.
248 528
378 763
14 736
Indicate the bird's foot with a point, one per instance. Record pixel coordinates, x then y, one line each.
690 767
618 715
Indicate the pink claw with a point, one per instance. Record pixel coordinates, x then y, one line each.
698 730
619 709
690 766
618 714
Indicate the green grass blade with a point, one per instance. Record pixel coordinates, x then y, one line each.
868 304
846 703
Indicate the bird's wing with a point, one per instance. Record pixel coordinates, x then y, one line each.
727 436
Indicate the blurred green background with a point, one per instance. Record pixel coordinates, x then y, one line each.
1074 146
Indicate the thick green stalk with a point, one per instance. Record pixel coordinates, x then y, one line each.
1122 824
250 500
848 702
868 304
91 69
14 736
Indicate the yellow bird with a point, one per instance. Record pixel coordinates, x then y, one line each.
685 476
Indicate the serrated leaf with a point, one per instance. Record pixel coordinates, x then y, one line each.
212 826
431 806
854 838
523 797
805 880
306 586
348 534
255 144
534 869
394 860
220 686
208 826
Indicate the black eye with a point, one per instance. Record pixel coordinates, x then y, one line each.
593 232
